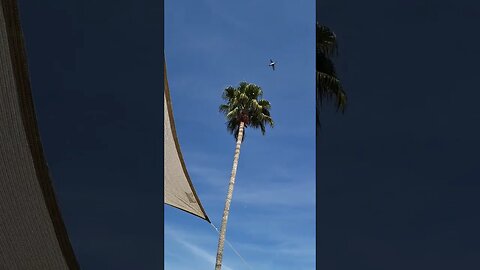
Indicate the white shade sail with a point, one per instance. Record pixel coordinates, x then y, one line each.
179 190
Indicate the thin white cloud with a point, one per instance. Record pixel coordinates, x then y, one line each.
202 253
205 255
277 194
209 175
297 250
270 240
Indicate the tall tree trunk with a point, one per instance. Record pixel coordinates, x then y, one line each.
223 228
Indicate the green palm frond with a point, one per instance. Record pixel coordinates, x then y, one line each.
265 104
329 86
224 108
325 65
245 104
326 41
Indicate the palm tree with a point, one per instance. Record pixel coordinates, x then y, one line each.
328 84
244 108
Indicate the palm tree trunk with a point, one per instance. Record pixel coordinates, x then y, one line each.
223 228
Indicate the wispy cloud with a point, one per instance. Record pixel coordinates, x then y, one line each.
278 186
256 254
297 250
277 194
202 253
210 175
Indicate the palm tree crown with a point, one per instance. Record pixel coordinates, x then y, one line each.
245 104
328 84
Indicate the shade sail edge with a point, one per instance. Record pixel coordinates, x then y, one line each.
32 234
177 181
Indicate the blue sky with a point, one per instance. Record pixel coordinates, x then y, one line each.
213 44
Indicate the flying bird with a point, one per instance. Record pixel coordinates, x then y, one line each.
272 64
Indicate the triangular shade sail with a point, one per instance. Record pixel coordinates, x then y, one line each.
32 233
179 190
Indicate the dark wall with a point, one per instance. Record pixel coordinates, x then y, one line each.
398 178
97 78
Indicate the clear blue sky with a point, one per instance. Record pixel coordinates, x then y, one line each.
210 45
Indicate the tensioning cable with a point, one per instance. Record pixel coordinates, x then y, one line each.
234 250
